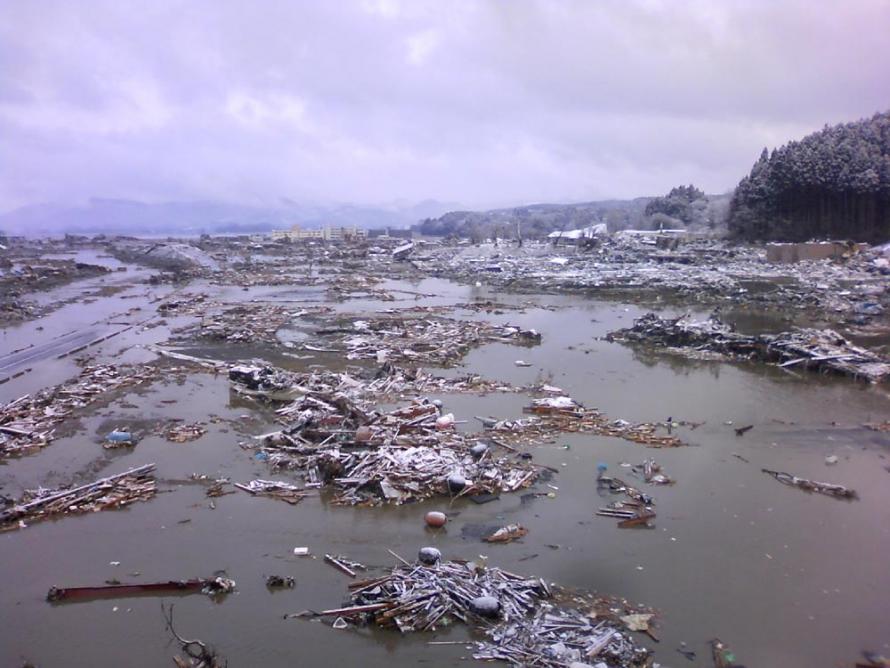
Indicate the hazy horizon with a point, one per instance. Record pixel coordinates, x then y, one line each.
484 104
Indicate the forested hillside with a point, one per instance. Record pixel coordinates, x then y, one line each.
834 183
536 220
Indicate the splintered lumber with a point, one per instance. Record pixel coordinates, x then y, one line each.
338 564
115 491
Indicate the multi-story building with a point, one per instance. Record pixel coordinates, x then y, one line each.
327 233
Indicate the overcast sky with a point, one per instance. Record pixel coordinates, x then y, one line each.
482 103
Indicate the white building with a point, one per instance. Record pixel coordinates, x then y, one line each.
327 233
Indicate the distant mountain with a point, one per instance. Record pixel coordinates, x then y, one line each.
120 216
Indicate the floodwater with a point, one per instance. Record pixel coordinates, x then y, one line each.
786 578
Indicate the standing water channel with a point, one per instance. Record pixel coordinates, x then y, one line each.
785 577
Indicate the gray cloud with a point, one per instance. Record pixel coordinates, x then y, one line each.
484 102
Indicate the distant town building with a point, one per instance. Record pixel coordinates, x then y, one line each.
578 236
328 233
393 233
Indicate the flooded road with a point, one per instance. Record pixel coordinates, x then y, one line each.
786 578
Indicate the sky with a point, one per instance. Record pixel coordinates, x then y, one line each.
485 103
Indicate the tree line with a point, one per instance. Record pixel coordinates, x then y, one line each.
834 183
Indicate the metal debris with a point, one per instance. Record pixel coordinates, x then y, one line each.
208 586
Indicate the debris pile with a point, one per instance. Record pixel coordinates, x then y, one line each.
243 323
703 271
428 340
562 414
513 611
819 350
28 422
407 454
401 474
557 637
117 491
415 597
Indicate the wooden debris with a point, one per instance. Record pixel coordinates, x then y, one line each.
819 350
829 489
425 340
635 511
562 414
272 488
117 491
346 565
28 423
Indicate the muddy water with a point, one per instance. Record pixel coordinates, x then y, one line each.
788 579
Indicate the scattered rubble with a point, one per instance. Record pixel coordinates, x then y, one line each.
27 423
420 340
706 271
30 275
